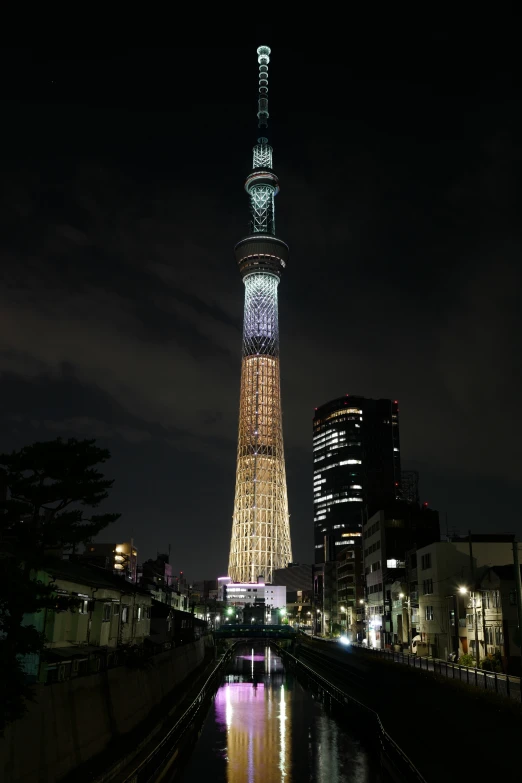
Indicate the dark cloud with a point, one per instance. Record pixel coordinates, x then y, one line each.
120 303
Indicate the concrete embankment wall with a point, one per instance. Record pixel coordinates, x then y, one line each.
70 722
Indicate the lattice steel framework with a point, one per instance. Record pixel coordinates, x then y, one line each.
260 524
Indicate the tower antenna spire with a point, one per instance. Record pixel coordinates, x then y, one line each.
260 540
263 58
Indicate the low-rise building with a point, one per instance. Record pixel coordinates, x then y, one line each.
447 572
119 558
95 613
497 619
325 608
350 590
256 602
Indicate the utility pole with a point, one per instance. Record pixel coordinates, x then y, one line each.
473 577
518 583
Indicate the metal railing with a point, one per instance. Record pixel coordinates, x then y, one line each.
394 758
503 684
161 758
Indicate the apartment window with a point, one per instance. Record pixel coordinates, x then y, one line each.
495 596
426 561
427 586
106 612
428 612
499 637
84 607
125 614
469 618
116 610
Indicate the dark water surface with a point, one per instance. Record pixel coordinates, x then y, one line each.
264 727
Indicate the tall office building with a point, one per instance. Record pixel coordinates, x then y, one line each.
260 524
357 469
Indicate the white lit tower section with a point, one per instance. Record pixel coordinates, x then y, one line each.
260 524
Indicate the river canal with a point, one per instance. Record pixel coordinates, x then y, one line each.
264 727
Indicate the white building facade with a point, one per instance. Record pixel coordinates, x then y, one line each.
446 590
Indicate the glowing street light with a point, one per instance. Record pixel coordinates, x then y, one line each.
463 590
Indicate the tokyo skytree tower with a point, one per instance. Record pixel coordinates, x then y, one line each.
260 524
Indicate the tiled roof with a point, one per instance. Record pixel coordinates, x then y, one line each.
90 575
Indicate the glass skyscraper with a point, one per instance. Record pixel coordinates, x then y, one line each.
357 469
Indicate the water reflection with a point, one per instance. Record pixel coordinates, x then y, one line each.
264 727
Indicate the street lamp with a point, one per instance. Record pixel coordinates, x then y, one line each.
463 590
408 610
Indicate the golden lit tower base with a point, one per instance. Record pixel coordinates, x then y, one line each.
260 524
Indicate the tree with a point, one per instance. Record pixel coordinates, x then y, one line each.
46 492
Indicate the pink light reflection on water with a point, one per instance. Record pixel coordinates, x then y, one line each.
257 739
253 738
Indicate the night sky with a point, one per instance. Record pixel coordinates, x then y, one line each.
121 304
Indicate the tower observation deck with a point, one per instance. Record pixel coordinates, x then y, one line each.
260 523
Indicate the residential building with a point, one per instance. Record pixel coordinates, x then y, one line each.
387 536
357 468
108 613
325 608
350 590
442 568
121 559
497 618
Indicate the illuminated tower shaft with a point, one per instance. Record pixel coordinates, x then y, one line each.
260 524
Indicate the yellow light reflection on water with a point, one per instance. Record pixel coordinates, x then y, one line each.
258 740
282 733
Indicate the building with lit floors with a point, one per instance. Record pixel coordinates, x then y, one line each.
350 591
357 468
255 602
260 539
387 537
121 559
